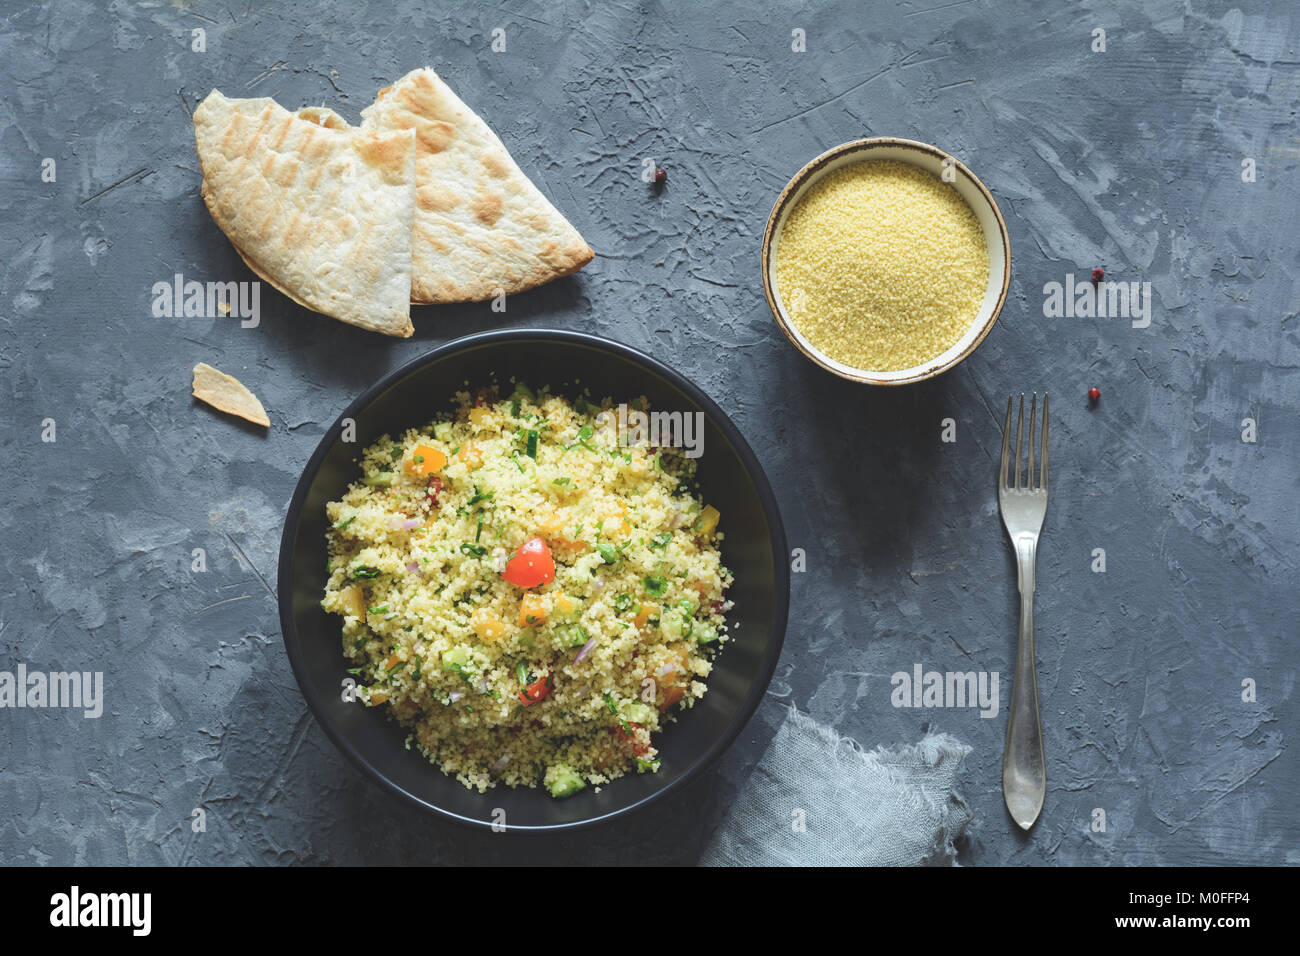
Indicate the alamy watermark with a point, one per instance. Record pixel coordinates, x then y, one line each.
75 690
125 910
211 300
683 430
922 688
1102 300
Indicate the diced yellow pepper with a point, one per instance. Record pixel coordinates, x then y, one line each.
354 602
487 625
565 606
707 522
480 417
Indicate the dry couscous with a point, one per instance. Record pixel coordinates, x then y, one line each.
527 593
881 265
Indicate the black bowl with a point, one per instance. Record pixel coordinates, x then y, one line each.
729 476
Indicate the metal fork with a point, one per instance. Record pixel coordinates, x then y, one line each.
1023 505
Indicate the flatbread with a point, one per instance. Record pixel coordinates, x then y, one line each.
321 210
227 393
481 226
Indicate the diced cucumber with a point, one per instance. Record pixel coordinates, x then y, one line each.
705 634
563 781
574 636
636 712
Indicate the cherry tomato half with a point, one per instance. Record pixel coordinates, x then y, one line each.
531 566
536 691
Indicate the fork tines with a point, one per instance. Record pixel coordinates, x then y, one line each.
1029 478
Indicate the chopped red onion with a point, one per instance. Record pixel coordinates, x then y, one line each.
501 762
413 566
394 522
586 649
411 524
454 696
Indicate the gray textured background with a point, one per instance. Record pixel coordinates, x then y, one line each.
1128 159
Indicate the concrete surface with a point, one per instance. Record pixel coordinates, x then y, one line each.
1129 159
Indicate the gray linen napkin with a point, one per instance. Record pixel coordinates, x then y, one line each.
818 799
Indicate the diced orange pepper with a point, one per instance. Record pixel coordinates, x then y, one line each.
644 614
672 694
426 461
532 610
569 547
673 684
565 605
471 455
376 697
480 417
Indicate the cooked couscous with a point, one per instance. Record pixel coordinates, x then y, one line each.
881 265
526 591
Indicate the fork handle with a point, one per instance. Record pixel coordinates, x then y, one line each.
1024 780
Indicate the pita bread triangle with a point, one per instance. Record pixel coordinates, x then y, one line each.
321 210
481 227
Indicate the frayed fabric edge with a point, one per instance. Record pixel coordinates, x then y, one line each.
934 748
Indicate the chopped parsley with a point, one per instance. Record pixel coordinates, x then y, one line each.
584 439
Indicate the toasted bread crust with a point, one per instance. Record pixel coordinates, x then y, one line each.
481 227
319 209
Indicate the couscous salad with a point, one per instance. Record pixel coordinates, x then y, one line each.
528 592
